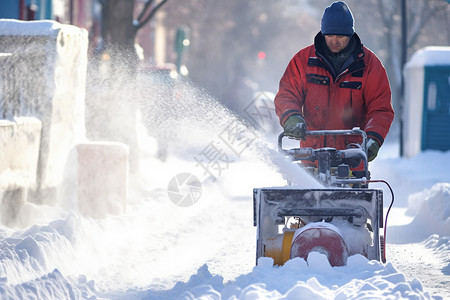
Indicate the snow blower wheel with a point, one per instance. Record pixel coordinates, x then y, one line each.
323 239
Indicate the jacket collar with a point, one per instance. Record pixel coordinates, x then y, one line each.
319 45
354 62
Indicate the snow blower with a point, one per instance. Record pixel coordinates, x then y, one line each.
342 219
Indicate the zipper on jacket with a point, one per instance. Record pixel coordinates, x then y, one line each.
341 74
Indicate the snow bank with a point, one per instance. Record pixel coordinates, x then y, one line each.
50 286
431 209
299 279
27 260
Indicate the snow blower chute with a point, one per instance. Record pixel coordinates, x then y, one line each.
342 219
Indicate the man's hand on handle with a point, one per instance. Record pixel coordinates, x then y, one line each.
295 127
372 149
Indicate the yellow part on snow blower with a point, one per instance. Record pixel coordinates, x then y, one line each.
279 247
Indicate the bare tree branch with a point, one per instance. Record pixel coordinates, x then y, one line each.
148 3
421 16
150 15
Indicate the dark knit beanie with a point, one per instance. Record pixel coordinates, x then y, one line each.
337 20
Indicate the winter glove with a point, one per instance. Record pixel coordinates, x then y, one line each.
372 149
295 127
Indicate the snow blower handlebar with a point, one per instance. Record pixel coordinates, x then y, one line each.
330 132
330 157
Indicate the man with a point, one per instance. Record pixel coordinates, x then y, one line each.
336 83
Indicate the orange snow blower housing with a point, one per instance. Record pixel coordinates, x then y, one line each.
342 219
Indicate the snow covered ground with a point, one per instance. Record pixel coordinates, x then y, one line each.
159 250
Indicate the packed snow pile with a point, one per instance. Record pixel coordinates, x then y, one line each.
432 215
298 279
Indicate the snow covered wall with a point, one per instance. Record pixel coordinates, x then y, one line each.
19 151
44 76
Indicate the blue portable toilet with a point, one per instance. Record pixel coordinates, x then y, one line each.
427 101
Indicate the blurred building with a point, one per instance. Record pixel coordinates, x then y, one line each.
29 10
87 14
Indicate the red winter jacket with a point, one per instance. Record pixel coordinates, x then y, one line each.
360 96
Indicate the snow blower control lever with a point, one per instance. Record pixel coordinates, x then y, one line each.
331 166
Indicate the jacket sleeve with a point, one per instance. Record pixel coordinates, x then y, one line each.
290 97
377 97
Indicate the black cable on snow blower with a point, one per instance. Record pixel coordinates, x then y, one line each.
387 213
